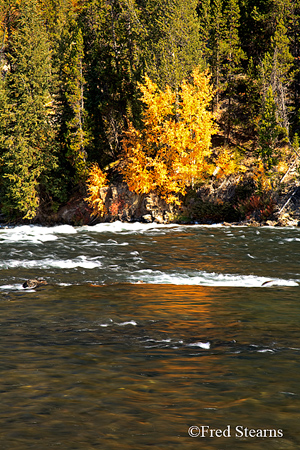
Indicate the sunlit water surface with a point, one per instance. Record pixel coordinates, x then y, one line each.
144 331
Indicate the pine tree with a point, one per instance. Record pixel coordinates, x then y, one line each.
26 132
71 98
216 46
233 55
205 29
173 46
112 36
256 26
281 72
268 131
259 19
251 101
275 72
226 57
293 31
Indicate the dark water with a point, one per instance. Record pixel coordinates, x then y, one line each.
142 333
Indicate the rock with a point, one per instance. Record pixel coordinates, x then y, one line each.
122 204
76 212
271 223
254 223
268 283
285 220
32 284
159 219
147 218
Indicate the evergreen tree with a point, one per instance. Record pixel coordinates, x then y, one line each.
26 129
293 31
275 72
205 29
232 51
216 46
256 29
268 131
113 45
226 57
281 73
250 101
172 48
71 100
259 19
54 13
233 55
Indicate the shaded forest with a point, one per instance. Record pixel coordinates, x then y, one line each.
72 89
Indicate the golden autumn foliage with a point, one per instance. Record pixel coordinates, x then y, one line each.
97 180
226 163
171 150
260 177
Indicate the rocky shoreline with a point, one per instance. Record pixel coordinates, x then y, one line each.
208 205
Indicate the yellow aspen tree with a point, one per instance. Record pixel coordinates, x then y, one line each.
171 150
97 180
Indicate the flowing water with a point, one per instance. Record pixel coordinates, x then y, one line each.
144 332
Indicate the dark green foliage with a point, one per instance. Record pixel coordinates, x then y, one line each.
222 50
71 99
112 32
172 45
205 28
268 131
69 74
27 147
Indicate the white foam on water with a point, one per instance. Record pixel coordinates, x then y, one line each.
27 233
124 227
291 240
265 350
12 287
119 324
34 233
48 263
15 287
63 229
207 279
139 227
113 242
204 345
39 234
130 322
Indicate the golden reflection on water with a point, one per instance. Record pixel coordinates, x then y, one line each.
66 382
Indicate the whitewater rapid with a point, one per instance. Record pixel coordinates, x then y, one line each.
127 253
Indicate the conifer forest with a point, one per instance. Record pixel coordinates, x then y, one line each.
163 95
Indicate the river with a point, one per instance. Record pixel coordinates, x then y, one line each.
150 336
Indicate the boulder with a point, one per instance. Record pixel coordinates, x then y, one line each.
34 283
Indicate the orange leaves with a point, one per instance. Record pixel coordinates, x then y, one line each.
97 180
226 164
170 152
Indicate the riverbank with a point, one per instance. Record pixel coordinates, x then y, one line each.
228 203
